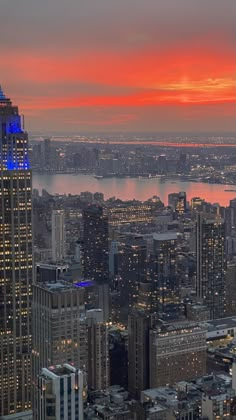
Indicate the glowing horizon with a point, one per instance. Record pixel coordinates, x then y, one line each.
124 73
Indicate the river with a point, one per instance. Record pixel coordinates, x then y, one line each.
129 188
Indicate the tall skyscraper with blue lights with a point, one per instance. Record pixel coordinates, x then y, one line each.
15 261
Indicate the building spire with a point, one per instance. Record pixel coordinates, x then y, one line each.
2 96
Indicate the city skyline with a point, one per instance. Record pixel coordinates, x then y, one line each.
117 210
105 66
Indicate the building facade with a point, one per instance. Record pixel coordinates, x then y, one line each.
56 328
178 202
177 352
58 235
15 261
61 393
139 325
130 213
165 269
96 251
211 264
98 351
132 268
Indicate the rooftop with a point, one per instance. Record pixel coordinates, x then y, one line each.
166 236
59 286
220 324
58 370
180 327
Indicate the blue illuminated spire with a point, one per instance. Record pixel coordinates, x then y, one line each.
2 96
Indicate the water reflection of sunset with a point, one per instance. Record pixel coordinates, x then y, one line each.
129 188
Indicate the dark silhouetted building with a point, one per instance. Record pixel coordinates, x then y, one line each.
132 267
178 202
139 325
96 252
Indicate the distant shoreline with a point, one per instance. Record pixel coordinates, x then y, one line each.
174 177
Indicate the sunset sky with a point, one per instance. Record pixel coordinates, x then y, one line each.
120 65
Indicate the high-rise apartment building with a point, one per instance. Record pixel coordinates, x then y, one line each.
139 325
15 261
98 351
56 325
60 394
177 353
147 299
58 235
230 289
211 264
132 269
96 252
165 248
57 334
230 218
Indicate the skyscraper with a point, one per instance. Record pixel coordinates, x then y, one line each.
139 325
58 235
15 261
96 258
56 325
98 351
56 329
211 264
132 267
165 247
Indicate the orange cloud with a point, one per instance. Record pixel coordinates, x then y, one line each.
183 77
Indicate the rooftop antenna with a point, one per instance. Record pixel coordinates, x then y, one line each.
2 96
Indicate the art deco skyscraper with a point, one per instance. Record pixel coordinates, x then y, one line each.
15 261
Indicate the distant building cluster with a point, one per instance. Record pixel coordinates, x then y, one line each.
127 159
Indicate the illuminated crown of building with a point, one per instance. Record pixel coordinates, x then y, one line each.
13 139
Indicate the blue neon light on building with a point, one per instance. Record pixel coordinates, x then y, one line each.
14 125
13 165
86 283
